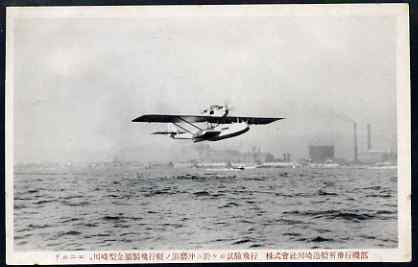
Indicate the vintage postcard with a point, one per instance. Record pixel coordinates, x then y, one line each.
246 133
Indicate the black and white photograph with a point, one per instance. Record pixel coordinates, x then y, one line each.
143 134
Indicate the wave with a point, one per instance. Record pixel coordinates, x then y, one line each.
75 204
18 237
215 195
321 239
289 221
72 197
229 205
70 220
320 192
221 240
379 195
367 237
112 218
283 195
128 233
120 218
246 221
189 177
88 224
122 226
174 225
323 230
324 193
317 239
291 234
334 214
101 235
71 232
201 193
377 187
152 192
242 241
22 198
20 206
386 212
38 226
40 202
32 191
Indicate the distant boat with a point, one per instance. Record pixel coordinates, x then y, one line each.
383 165
230 167
324 165
223 169
278 164
239 166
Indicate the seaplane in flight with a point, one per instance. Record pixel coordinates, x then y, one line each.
218 125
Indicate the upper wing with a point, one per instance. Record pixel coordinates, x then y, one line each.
169 118
212 119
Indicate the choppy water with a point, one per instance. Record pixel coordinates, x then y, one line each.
122 208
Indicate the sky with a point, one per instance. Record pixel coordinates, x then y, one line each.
79 82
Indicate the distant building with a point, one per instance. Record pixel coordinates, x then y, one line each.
207 154
321 153
374 156
270 157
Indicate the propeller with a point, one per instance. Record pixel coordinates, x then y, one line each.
214 109
228 108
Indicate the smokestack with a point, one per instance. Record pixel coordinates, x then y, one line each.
369 137
355 141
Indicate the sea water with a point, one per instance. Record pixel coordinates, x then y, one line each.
190 208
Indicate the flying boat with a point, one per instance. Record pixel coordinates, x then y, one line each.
217 124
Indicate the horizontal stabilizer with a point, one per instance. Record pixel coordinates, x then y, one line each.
167 132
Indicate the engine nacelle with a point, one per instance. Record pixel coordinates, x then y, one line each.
216 110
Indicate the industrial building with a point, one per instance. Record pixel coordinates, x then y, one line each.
319 154
374 156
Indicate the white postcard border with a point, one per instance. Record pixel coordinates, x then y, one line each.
400 254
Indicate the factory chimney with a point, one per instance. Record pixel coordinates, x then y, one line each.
369 137
355 142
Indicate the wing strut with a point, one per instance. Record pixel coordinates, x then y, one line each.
180 118
184 129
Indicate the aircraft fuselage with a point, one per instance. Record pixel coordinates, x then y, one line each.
216 133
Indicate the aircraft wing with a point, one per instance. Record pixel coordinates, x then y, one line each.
160 118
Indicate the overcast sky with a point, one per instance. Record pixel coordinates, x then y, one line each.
80 81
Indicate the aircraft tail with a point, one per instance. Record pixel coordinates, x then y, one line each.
167 132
